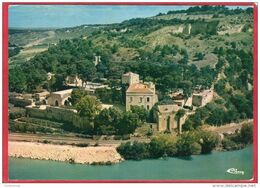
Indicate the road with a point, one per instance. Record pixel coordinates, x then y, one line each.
68 139
228 128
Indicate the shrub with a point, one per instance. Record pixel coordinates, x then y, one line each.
19 102
186 145
82 144
16 113
161 145
246 134
209 141
134 151
230 145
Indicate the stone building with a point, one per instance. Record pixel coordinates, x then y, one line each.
201 99
59 98
130 78
178 97
73 81
141 94
42 96
167 120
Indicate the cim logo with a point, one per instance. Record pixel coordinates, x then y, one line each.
235 171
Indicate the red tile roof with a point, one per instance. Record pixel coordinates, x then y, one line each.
139 88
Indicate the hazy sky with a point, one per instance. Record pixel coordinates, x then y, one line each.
74 15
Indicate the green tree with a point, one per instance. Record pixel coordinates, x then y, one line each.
187 145
140 111
76 96
86 70
134 151
88 107
246 133
208 141
163 145
129 123
17 80
107 121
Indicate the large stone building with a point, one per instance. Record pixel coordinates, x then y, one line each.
201 99
141 94
59 98
167 120
130 78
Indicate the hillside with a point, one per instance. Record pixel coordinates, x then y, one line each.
194 49
197 31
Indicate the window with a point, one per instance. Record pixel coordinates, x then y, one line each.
148 107
141 99
131 99
148 99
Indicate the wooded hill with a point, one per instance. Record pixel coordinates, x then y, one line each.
197 47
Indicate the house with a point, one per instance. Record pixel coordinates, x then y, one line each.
141 94
59 98
74 81
130 78
202 98
167 120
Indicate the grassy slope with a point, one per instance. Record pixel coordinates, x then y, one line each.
167 35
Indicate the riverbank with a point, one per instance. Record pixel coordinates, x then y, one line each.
195 168
72 154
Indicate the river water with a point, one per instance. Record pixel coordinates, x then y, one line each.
199 167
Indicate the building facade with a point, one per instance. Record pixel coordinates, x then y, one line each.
201 99
59 98
130 78
139 94
167 120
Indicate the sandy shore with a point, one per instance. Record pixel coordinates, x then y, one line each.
82 155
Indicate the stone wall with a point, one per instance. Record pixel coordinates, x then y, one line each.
56 114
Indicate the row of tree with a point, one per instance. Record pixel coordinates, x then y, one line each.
166 145
109 121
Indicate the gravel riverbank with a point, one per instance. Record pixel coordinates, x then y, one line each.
82 155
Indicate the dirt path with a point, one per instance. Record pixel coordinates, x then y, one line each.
67 139
228 128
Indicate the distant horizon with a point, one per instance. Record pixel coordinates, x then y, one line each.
63 16
66 16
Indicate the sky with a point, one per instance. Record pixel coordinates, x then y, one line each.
57 16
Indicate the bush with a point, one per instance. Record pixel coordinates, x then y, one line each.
18 126
186 145
82 144
246 134
122 137
16 113
19 102
42 122
231 145
209 141
163 145
134 151
46 141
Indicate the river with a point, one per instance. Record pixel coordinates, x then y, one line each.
198 167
